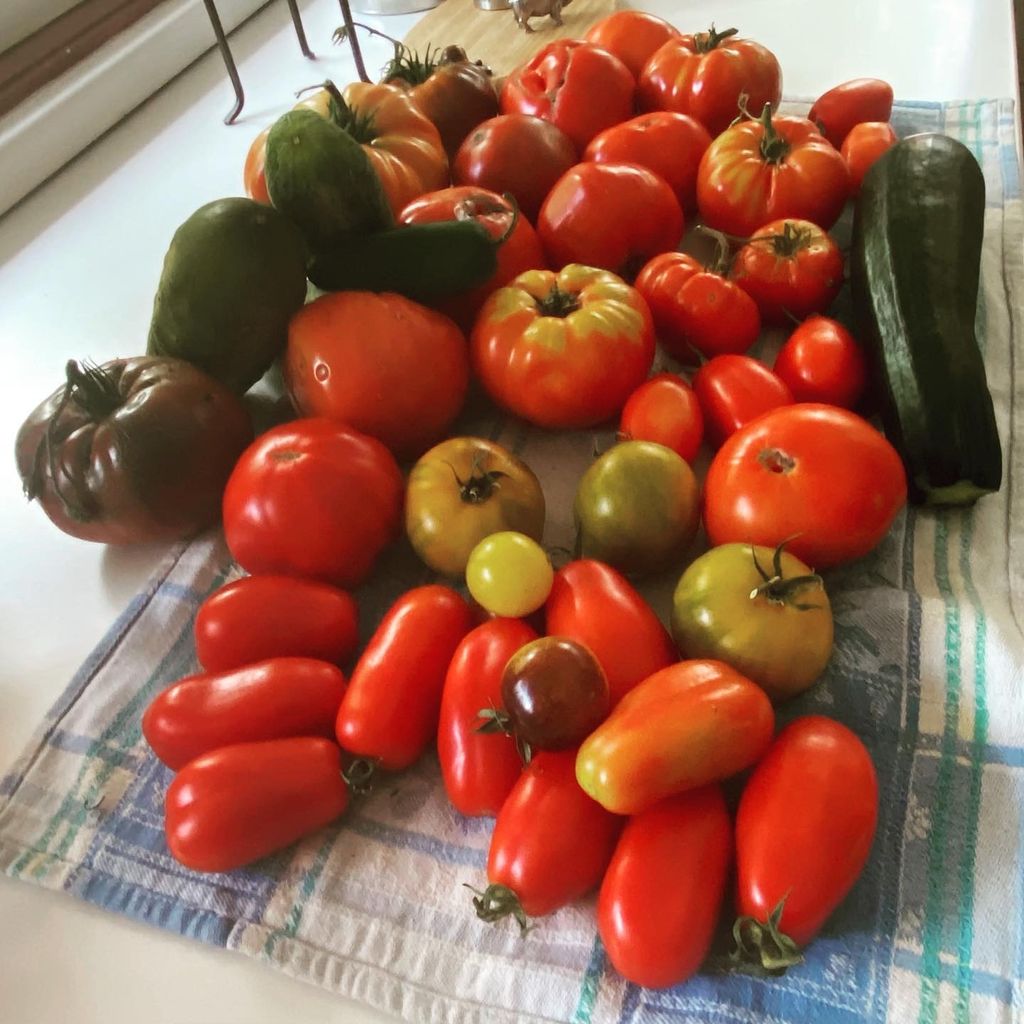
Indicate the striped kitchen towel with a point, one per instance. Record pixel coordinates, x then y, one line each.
927 669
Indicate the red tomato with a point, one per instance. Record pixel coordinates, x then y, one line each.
592 603
863 145
519 252
518 154
662 892
261 617
391 707
821 362
633 36
479 769
805 825
771 168
791 268
313 498
838 110
665 410
575 85
664 142
697 308
242 802
704 75
268 700
733 390
563 350
819 475
615 216
254 173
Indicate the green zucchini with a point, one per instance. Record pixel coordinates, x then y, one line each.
915 267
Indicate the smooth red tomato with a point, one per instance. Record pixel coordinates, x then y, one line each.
577 86
771 168
313 498
822 362
238 803
838 110
391 707
863 145
665 410
519 252
633 36
733 390
261 617
662 892
686 725
615 216
664 142
705 74
805 826
592 603
819 475
697 307
254 174
479 769
791 268
268 700
563 350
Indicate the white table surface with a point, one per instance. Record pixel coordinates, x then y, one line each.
79 262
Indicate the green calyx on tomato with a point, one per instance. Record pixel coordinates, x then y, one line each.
774 147
789 242
358 125
780 589
761 946
559 303
705 42
497 902
722 259
494 720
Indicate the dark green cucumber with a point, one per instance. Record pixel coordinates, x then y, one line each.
915 268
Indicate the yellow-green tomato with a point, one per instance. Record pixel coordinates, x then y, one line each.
509 574
763 612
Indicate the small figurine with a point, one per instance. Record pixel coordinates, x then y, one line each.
524 10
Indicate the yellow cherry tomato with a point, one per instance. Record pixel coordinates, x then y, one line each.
509 574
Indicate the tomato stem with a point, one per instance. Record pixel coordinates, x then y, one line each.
762 946
361 774
779 589
787 243
353 41
495 720
708 41
497 902
558 303
723 251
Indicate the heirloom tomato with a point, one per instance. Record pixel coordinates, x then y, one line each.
509 573
822 362
633 36
665 410
865 143
733 390
837 111
563 350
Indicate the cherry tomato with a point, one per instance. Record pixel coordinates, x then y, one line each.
615 216
633 36
863 145
837 111
391 707
662 892
804 830
791 268
664 410
733 390
822 362
254 174
814 473
238 803
697 307
479 769
509 574
261 617
692 723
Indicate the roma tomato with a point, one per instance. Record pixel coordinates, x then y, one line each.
733 390
577 86
705 74
595 605
518 154
313 498
261 617
268 700
697 307
669 144
479 768
822 362
863 145
662 892
814 473
692 723
563 350
615 216
664 410
383 364
550 845
768 169
254 175
837 111
509 573
391 707
633 36
238 803
463 490
791 268
804 830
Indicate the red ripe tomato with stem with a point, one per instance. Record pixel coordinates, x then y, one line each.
822 362
633 36
733 390
864 144
839 110
665 410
